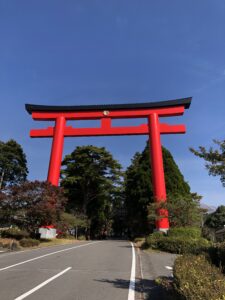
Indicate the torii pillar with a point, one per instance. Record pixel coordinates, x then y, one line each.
151 111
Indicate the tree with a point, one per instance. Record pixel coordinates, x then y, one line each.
184 210
70 224
92 181
31 205
216 219
215 159
139 190
13 163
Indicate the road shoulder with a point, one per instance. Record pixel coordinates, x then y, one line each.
152 264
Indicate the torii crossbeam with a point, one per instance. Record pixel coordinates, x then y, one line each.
152 111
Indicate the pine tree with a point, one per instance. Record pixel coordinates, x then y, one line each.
92 182
215 159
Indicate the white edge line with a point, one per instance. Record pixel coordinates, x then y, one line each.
131 293
48 254
42 284
7 253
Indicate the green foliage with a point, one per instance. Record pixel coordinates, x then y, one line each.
14 233
81 238
31 205
139 192
217 255
29 242
196 279
13 163
92 181
216 219
183 245
68 221
175 183
221 255
152 240
209 233
178 245
178 240
183 210
215 159
186 232
65 235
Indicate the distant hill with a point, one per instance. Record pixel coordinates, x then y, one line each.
210 209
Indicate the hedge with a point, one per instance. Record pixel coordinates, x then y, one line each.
217 255
29 242
221 255
196 279
14 233
186 232
177 244
182 245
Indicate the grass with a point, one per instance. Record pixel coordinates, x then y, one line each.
5 242
55 242
139 241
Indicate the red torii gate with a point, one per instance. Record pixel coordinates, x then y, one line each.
153 128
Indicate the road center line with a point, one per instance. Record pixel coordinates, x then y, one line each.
131 293
42 284
45 255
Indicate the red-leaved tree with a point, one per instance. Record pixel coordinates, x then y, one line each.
31 205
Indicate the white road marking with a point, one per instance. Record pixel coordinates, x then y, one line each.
29 250
141 269
45 255
168 267
131 293
42 284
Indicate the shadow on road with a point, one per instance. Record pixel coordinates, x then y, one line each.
146 289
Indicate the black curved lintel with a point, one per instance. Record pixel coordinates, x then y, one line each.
186 102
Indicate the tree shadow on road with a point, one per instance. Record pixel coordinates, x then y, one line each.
145 289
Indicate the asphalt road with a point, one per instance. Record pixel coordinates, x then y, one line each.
90 270
94 270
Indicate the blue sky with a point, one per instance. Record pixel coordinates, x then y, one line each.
92 52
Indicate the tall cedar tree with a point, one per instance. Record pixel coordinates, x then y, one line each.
215 159
13 163
31 205
139 190
92 182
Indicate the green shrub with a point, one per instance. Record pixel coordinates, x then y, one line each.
182 245
29 242
221 255
81 238
44 240
14 233
65 235
217 255
178 242
185 232
152 241
196 279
